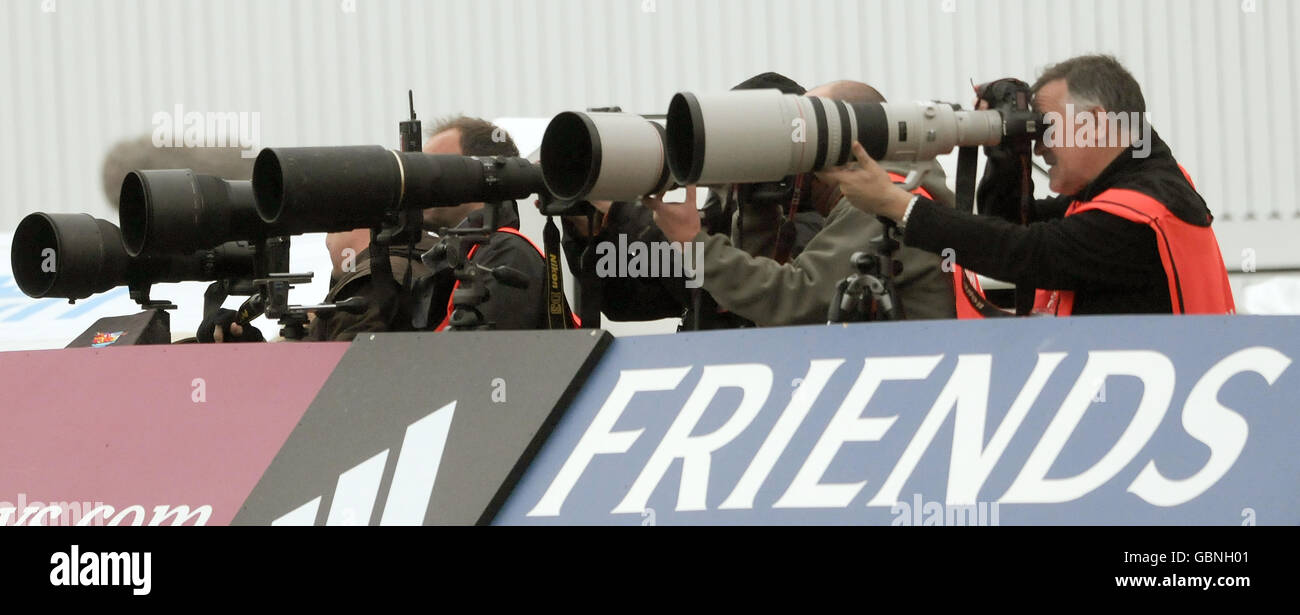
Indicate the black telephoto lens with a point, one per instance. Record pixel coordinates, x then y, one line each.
332 189
177 211
71 256
74 256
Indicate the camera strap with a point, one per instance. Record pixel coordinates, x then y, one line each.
788 233
967 159
557 316
975 297
1025 296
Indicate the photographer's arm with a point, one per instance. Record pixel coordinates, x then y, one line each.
1092 249
760 289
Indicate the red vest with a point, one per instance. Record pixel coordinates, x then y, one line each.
446 320
1198 280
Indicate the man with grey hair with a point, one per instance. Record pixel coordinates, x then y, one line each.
1128 233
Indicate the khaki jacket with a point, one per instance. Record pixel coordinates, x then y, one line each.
800 292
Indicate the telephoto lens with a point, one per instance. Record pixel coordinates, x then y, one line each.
178 211
604 157
763 135
331 189
74 256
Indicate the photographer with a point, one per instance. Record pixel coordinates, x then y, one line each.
1129 233
508 308
621 299
756 227
799 292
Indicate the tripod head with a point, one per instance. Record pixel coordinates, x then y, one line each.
268 292
871 293
454 252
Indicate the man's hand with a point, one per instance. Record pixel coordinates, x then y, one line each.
868 186
680 222
221 328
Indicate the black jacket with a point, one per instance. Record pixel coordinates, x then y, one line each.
1112 264
507 308
623 299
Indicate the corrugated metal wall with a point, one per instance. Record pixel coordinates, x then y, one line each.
1219 75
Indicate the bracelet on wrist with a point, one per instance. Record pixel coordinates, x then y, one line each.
907 213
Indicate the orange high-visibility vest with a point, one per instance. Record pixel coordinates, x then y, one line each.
1198 280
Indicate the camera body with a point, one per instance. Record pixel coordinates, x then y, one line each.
1010 98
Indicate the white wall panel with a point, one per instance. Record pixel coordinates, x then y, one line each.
1220 79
